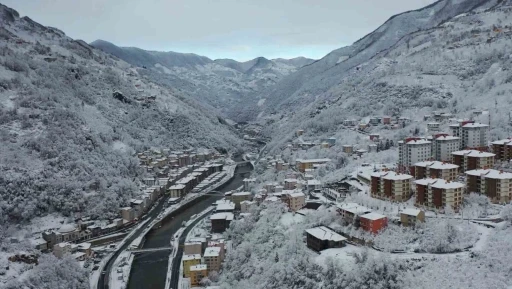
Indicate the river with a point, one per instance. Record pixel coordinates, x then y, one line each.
149 270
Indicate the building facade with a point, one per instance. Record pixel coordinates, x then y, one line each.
436 170
472 160
373 222
497 185
213 259
321 238
411 151
472 135
409 217
443 146
502 149
439 193
390 185
189 261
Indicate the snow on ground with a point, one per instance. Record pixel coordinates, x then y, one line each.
261 101
345 255
122 267
289 219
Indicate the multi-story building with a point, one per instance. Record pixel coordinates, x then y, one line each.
128 214
189 261
220 221
290 184
348 149
295 200
303 165
193 248
436 170
502 149
197 273
497 185
245 205
472 135
433 126
391 185
373 222
321 238
411 151
212 258
411 216
472 160
239 197
443 145
439 193
66 233
352 211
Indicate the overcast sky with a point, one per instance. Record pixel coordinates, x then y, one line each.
237 29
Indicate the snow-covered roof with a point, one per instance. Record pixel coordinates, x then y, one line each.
191 257
473 153
67 228
443 184
436 165
137 202
447 137
225 206
296 195
503 141
418 142
324 233
411 212
314 182
491 174
177 187
425 182
314 160
222 216
373 216
354 208
390 175
476 124
212 252
84 245
242 194
290 180
200 267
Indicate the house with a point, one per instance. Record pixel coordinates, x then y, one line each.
411 151
390 185
436 170
386 120
66 233
375 120
212 258
290 184
497 185
372 148
245 206
189 261
373 222
374 136
433 126
220 221
439 193
325 145
226 207
350 122
197 273
303 165
361 152
472 135
62 249
239 197
443 146
39 244
352 211
502 149
177 191
192 248
472 160
295 200
348 149
321 238
300 132
314 185
411 216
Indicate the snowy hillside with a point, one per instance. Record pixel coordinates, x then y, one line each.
460 66
221 83
71 119
313 81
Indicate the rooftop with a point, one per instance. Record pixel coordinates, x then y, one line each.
191 257
324 233
502 141
436 165
474 125
473 153
313 161
226 206
373 216
490 173
440 183
212 252
411 212
418 142
391 175
222 216
177 187
354 208
242 194
447 137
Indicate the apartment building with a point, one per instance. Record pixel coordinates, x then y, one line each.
193 248
352 211
249 183
436 170
220 221
390 185
439 193
128 214
433 126
373 222
189 261
472 160
295 200
472 135
443 145
66 233
497 185
197 273
303 165
410 216
502 149
212 258
411 151
321 238
239 197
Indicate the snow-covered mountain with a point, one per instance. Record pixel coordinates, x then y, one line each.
458 66
72 117
307 84
220 83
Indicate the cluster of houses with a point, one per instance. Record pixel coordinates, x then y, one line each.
394 123
202 256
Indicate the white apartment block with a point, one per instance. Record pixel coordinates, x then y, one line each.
472 135
443 146
411 151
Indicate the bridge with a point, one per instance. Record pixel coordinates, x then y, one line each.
150 250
